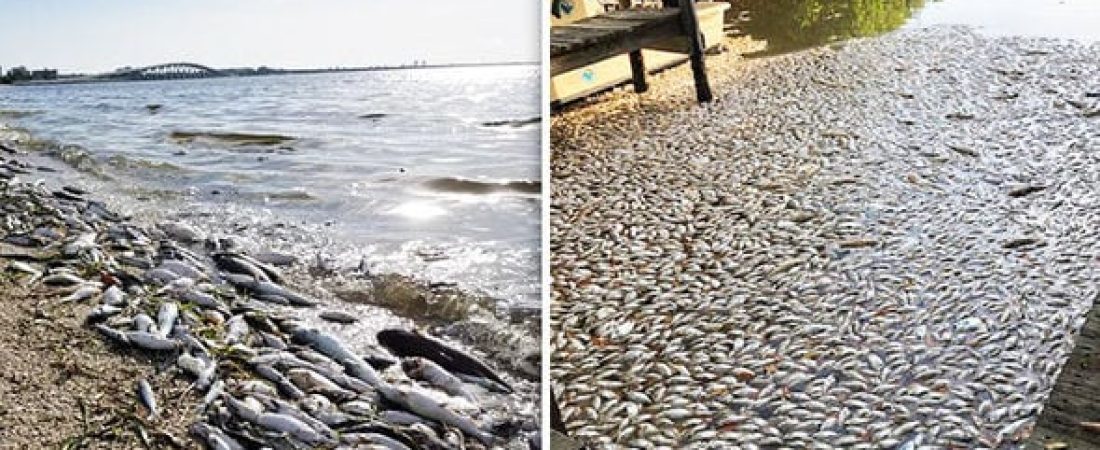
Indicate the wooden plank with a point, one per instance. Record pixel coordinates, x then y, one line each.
1076 394
568 57
617 25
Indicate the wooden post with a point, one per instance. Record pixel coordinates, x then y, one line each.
695 39
637 70
556 423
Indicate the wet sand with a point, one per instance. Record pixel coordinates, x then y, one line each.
1070 416
62 386
883 242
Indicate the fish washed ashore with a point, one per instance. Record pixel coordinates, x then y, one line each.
885 243
119 334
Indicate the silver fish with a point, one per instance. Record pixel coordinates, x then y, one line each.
145 393
83 293
236 330
151 341
166 318
424 369
292 426
427 407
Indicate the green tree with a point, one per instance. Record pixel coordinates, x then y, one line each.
789 25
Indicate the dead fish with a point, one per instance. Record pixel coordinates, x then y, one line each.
963 150
373 440
83 242
82 293
62 279
363 371
202 299
190 364
276 299
286 387
236 330
233 263
292 426
114 296
215 391
338 317
959 116
358 407
269 288
182 269
858 243
426 370
1020 242
166 318
1026 190
160 276
272 273
276 258
142 322
326 344
178 284
151 341
101 312
486 383
398 417
315 383
427 407
408 344
214 438
24 267
113 334
145 393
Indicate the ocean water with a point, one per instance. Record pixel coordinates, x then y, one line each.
432 173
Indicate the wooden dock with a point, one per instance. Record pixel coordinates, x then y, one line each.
1076 396
675 28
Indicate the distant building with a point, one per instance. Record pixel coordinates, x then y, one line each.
44 74
19 74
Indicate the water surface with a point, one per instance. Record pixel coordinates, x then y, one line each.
791 25
428 172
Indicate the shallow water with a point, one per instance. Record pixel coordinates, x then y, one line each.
791 25
370 159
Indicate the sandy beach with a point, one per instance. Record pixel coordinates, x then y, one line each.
62 387
880 243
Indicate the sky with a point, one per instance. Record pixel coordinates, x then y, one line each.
92 36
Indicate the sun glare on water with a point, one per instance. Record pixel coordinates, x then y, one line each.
418 210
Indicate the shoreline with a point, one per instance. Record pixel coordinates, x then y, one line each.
96 79
281 325
824 238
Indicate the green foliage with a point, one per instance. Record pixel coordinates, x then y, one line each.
790 25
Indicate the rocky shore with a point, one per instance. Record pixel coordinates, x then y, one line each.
883 243
124 334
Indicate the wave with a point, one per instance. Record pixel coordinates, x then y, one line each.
16 114
124 162
236 139
466 186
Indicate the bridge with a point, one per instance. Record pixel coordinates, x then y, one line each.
169 71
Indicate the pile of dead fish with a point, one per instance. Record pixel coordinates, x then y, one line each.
886 244
267 379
